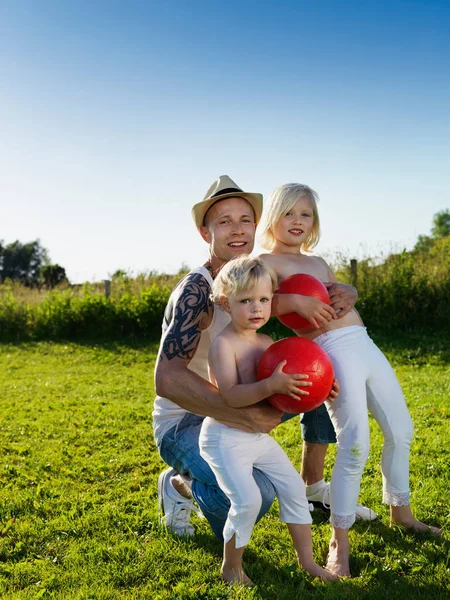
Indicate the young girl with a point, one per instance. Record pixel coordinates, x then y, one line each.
244 288
290 227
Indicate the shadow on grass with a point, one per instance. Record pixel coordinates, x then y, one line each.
374 577
117 345
371 579
419 348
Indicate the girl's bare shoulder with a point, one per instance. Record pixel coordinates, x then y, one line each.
319 260
275 261
266 257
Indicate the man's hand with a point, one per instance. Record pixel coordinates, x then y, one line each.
334 391
343 298
261 417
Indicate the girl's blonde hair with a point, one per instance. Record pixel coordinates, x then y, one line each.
281 201
241 274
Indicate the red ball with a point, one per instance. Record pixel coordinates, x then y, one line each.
305 285
302 356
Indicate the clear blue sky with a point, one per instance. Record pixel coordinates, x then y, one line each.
116 116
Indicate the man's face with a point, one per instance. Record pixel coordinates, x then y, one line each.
229 230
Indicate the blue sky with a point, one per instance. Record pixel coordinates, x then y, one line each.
116 116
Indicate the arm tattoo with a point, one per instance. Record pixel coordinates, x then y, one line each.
184 331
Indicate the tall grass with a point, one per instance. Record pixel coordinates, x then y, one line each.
405 292
68 315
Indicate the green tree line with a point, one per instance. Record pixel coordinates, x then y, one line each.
29 264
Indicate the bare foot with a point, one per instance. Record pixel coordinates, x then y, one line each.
338 561
179 483
236 576
321 573
418 526
403 516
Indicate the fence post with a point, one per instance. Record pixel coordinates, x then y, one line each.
107 283
354 272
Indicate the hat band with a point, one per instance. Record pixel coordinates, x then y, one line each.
226 191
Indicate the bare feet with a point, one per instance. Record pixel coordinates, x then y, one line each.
321 573
181 485
338 561
418 526
402 516
236 575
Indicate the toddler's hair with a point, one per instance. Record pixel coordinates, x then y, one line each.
281 201
241 274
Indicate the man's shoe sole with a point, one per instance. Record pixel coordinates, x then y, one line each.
326 509
161 484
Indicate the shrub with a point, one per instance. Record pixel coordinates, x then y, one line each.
407 292
404 292
68 315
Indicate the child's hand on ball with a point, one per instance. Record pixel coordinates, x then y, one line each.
289 384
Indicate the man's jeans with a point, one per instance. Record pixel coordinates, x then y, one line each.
317 426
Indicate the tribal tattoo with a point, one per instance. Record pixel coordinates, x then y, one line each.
191 308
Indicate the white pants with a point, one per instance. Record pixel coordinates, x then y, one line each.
367 381
232 454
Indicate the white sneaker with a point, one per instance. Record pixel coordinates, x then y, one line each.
173 509
363 513
321 499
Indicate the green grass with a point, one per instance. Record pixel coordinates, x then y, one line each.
78 474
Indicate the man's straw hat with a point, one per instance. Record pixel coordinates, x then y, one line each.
223 188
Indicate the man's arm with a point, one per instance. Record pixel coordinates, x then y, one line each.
191 314
343 297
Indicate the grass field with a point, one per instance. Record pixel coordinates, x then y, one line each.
78 502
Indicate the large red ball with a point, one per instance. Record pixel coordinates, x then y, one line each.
302 356
305 285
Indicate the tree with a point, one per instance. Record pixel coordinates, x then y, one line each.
22 262
53 275
120 274
441 224
424 243
440 229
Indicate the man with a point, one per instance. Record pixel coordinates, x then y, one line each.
226 219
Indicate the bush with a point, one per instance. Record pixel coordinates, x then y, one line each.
68 315
407 292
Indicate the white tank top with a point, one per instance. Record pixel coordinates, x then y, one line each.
167 414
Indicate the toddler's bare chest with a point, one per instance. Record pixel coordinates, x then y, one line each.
247 365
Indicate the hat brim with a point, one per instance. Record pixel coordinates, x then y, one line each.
200 209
